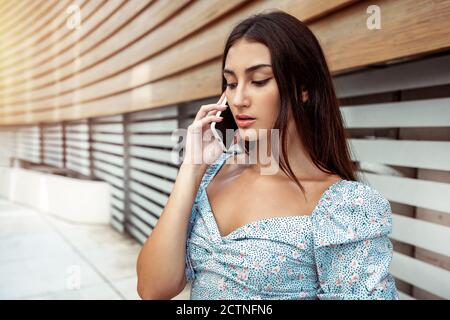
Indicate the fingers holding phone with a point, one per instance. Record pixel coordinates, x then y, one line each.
200 148
205 110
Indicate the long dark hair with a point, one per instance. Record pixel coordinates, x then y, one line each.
298 63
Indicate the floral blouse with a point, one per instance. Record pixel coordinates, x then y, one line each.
340 251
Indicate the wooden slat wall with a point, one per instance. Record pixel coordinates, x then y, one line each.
399 120
106 136
121 58
53 147
77 147
7 146
27 144
152 166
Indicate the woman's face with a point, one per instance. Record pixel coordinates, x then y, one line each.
255 92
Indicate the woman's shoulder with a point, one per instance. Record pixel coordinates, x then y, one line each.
366 196
352 211
359 194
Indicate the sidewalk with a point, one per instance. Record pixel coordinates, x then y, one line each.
44 257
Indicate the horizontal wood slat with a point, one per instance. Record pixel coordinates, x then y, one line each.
432 279
422 234
40 40
421 113
429 72
26 11
415 192
405 153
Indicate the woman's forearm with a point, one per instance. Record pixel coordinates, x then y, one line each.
161 262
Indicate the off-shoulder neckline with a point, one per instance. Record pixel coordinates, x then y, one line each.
219 164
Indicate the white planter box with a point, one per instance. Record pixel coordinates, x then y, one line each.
71 199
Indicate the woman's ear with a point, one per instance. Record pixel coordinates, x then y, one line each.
305 95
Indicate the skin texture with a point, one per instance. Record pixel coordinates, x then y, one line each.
238 179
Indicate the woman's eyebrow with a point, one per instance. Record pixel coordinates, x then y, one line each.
248 70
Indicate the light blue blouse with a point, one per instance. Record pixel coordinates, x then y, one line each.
340 251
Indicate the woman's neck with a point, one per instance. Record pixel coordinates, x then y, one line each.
259 161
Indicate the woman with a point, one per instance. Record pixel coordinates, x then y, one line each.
309 231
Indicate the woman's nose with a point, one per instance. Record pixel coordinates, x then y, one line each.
240 99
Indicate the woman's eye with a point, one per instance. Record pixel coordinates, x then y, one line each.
261 83
231 85
257 83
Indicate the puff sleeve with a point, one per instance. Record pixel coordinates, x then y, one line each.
351 246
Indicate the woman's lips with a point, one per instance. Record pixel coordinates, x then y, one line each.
245 122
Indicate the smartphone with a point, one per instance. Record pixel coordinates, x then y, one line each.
225 139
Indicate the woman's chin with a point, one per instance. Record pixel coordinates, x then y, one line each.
248 134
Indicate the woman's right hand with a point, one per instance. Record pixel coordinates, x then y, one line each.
201 148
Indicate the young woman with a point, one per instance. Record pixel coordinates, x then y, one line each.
309 231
